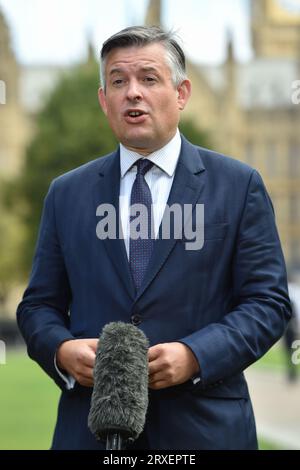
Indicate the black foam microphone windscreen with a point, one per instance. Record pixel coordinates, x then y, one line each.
120 395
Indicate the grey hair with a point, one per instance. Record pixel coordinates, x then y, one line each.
142 36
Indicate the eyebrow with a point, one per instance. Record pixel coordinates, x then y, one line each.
116 70
143 69
149 69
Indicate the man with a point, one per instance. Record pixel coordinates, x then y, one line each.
208 312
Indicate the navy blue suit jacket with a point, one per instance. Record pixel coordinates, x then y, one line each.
228 301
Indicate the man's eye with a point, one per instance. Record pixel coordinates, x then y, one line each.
117 82
149 79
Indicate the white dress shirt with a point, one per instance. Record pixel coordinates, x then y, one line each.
159 179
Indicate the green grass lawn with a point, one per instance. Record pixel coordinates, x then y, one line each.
28 401
275 359
28 404
267 445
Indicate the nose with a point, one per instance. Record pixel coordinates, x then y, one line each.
134 92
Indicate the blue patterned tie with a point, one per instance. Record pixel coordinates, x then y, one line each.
140 250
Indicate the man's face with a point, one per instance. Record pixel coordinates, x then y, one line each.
140 101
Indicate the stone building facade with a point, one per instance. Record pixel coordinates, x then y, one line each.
246 109
248 112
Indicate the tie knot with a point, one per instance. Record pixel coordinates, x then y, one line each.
143 165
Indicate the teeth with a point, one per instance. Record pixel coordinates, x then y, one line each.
134 113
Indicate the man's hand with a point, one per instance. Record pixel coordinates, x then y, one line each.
77 358
170 364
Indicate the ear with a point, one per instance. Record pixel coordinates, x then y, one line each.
184 92
102 100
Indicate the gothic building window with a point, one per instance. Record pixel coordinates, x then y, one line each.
294 159
272 156
295 209
249 153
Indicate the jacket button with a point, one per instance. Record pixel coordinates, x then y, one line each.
136 319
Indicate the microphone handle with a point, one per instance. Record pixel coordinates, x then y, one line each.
114 441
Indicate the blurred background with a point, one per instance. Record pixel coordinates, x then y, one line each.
244 63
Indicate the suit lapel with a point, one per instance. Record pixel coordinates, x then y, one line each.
186 188
106 191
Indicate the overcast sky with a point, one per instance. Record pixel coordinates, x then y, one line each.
56 31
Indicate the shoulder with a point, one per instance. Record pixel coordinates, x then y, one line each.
216 164
93 167
221 171
212 160
83 175
219 162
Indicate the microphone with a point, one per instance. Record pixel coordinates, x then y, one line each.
120 395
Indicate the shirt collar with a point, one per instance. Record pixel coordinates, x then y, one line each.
165 158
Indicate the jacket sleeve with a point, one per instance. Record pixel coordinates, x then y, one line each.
43 313
261 305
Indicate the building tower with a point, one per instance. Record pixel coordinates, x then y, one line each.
276 28
12 123
154 13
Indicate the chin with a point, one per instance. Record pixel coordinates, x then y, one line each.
139 140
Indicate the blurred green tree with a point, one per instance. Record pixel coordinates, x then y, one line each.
70 130
193 134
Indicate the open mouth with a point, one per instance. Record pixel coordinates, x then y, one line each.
135 116
134 113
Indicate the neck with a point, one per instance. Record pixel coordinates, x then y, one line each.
148 151
143 152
